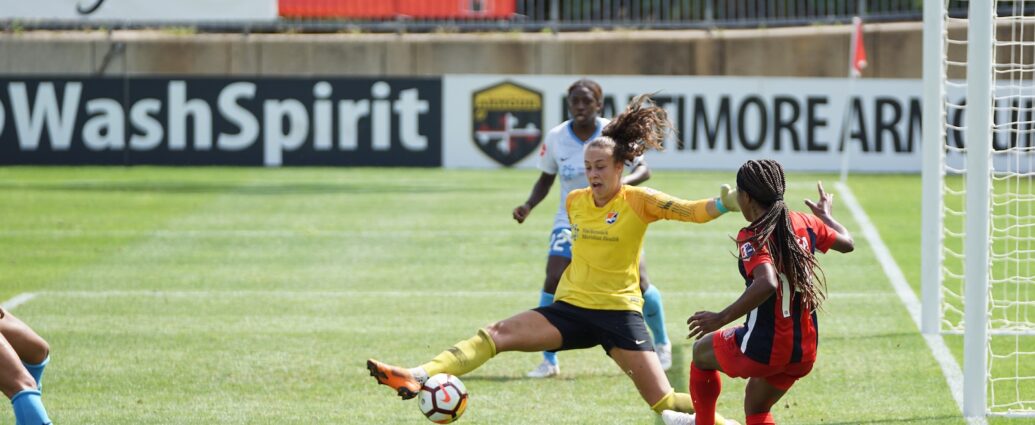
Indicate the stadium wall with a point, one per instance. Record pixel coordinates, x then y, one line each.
458 100
819 51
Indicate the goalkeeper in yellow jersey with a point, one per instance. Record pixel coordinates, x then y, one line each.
598 300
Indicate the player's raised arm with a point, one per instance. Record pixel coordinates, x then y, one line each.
653 205
843 241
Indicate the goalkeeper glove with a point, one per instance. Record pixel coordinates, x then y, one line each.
727 200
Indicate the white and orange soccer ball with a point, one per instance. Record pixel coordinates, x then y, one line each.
443 398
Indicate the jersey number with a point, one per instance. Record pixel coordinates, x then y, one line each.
785 293
559 240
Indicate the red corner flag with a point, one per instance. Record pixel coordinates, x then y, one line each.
858 51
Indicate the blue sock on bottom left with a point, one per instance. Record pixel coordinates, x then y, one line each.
546 299
654 315
36 370
28 408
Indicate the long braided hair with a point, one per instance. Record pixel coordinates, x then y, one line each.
764 182
642 126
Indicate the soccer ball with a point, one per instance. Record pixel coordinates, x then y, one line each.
443 398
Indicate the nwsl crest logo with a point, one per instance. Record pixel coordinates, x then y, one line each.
612 217
746 251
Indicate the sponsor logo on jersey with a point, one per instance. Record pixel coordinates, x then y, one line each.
803 242
746 251
507 121
612 217
572 172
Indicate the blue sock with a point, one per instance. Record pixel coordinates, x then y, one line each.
546 299
28 408
654 315
36 370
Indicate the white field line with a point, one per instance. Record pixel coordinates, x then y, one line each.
18 300
398 293
951 370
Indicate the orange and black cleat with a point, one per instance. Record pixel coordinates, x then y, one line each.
396 377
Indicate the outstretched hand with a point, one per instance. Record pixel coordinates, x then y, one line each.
703 323
729 197
826 202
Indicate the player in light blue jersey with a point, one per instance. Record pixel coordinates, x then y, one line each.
562 155
23 355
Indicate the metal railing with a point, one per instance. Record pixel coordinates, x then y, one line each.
566 15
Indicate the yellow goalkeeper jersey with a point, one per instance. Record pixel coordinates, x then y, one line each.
604 273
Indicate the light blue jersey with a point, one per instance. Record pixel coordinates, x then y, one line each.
562 155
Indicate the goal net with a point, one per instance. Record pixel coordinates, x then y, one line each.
983 247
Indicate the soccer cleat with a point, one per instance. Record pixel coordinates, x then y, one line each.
401 380
672 417
544 370
664 355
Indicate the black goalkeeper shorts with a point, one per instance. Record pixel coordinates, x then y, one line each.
585 328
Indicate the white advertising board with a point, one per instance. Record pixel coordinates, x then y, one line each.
495 120
140 10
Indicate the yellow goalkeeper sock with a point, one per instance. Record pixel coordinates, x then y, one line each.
681 402
465 356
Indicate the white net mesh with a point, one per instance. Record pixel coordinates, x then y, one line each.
1011 319
1011 289
954 67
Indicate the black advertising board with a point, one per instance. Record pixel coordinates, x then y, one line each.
221 121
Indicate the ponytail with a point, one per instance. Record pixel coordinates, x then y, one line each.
642 126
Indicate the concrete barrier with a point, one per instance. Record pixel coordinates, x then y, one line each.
819 51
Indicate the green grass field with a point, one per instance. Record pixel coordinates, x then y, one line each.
233 296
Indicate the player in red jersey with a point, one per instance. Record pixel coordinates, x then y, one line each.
785 287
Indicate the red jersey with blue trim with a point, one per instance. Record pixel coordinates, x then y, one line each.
780 331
